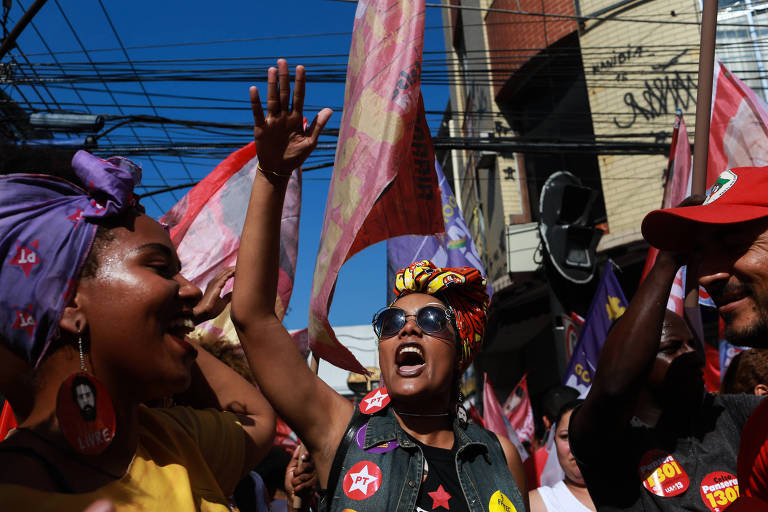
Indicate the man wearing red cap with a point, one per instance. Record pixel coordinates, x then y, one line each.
727 239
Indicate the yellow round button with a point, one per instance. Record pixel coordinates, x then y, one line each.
500 503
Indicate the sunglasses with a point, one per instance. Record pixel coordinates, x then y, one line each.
430 319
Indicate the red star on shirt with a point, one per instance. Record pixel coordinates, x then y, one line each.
440 498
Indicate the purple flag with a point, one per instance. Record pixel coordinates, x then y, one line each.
454 248
607 306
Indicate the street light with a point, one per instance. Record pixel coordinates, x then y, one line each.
67 122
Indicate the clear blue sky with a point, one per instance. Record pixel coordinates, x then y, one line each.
163 25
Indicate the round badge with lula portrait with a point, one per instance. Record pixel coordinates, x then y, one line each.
85 413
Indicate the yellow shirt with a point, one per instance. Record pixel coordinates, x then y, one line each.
186 460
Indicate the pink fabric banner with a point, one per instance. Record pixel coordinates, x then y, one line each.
206 224
384 182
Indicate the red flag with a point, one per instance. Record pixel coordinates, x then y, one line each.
517 409
7 420
475 415
384 183
284 436
211 216
676 188
738 135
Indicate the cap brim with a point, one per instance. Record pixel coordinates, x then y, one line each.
679 229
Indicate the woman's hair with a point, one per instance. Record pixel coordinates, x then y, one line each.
747 369
105 236
569 406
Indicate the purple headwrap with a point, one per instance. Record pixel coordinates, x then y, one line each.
46 232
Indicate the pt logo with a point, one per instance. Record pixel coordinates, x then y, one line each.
362 480
26 257
24 320
76 217
374 401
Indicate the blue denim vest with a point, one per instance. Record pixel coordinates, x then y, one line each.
383 469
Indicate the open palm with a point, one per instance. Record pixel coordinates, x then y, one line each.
282 143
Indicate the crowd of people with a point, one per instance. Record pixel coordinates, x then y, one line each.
118 409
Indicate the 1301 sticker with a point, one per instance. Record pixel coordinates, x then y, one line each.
718 490
662 474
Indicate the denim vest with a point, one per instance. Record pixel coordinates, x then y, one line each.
383 469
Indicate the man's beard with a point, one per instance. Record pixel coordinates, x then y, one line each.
88 412
755 335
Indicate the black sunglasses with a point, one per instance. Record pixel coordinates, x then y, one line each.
430 319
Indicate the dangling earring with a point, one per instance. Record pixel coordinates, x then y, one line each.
84 409
461 412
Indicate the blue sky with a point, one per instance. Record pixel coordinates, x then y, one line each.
178 37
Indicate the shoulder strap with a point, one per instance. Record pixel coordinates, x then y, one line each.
355 423
56 476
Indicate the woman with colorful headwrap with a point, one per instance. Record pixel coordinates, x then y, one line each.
94 318
402 447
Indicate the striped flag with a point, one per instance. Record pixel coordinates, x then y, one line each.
384 181
205 226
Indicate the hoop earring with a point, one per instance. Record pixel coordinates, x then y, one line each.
84 410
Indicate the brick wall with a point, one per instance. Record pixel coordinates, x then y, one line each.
523 34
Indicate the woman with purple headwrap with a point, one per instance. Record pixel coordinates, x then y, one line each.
94 315
405 446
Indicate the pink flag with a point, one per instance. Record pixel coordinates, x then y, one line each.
676 188
517 409
384 182
493 414
206 224
738 135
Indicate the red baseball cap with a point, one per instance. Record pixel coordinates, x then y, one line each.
739 195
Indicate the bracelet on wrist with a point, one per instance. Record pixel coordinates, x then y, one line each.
274 173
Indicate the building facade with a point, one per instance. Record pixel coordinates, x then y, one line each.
587 86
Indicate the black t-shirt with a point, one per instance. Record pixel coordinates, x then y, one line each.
693 468
440 489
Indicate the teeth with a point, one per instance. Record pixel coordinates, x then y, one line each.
416 350
185 322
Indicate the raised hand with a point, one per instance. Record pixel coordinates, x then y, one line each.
282 144
212 303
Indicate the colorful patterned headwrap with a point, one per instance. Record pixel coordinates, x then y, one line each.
46 232
464 290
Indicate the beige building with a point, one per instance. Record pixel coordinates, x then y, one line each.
635 84
585 86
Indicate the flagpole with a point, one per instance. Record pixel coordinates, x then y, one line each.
703 109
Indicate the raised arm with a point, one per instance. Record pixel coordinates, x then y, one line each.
312 409
625 362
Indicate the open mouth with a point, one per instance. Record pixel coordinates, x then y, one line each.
179 329
409 360
181 326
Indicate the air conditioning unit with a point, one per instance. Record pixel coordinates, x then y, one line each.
522 244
